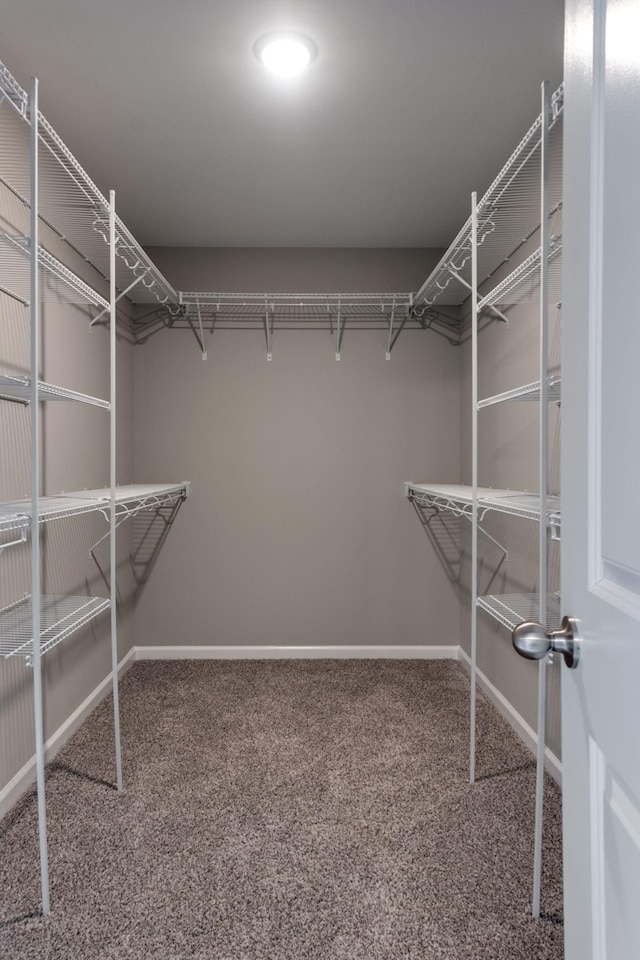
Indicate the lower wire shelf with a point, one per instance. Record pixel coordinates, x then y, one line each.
528 392
60 616
19 390
510 609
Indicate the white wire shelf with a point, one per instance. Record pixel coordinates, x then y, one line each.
520 504
510 609
528 392
57 282
288 308
135 497
522 285
508 217
17 513
70 202
59 618
130 499
455 498
206 311
19 389
458 499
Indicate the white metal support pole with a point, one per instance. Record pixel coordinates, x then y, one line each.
113 586
267 331
474 479
35 484
390 337
544 430
204 352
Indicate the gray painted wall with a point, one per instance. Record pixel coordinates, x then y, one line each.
297 531
75 455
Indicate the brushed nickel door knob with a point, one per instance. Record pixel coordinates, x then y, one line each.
534 641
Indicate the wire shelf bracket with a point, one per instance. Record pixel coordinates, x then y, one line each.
162 505
434 504
150 538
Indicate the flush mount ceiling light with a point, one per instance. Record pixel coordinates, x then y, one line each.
285 54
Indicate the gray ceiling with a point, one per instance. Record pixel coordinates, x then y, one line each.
409 106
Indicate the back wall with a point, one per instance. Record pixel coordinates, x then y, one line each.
297 531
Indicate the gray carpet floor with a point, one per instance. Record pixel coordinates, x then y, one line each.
286 810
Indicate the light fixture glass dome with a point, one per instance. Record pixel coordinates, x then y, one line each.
285 54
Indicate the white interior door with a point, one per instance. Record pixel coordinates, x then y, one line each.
601 479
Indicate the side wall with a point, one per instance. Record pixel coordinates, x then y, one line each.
297 532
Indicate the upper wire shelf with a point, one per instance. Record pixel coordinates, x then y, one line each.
59 618
527 392
207 311
287 308
57 282
307 310
508 217
71 203
18 389
510 609
129 500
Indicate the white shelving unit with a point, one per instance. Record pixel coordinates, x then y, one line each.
517 221
507 231
535 280
206 312
73 207
38 169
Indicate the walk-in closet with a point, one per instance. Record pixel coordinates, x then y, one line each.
308 533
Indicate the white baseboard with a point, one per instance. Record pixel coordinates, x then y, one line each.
527 734
25 777
407 652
